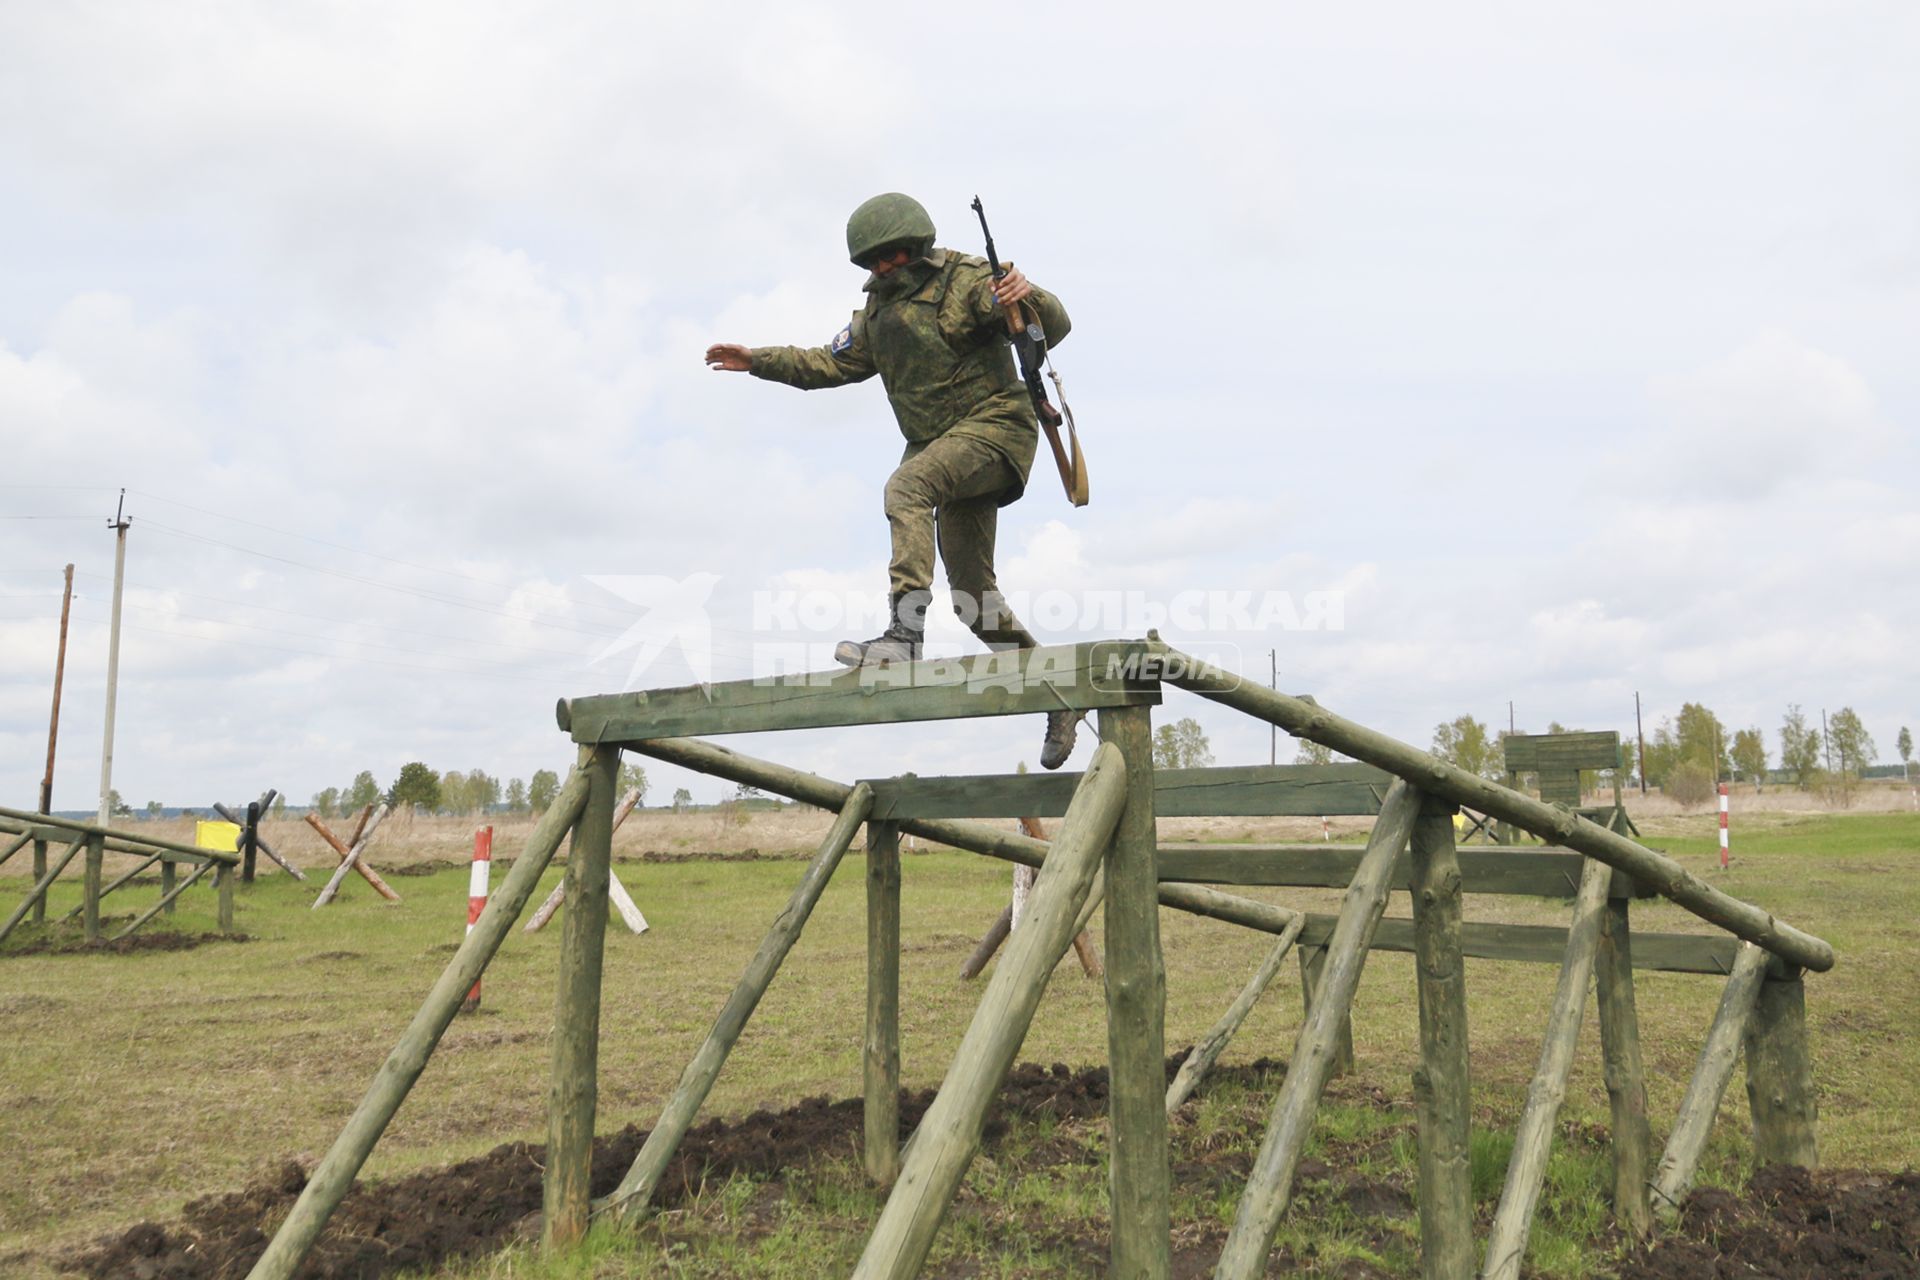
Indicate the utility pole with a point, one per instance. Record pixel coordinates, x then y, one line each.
1273 731
1640 733
1510 728
1826 744
119 524
59 673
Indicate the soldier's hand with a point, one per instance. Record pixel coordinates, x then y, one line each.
730 356
1012 287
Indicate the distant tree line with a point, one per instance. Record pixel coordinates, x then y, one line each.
419 789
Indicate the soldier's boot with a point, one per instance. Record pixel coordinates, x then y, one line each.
900 642
1062 728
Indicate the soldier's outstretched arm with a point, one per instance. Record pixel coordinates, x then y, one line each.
841 361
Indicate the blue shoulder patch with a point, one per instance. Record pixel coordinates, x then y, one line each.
842 340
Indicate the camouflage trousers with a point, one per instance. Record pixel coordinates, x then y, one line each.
948 495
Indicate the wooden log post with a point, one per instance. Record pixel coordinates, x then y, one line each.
628 1203
574 1092
166 899
1681 1159
1313 966
1139 1181
1207 1050
223 892
1780 1075
989 943
335 1173
1442 1089
1270 1186
944 1145
881 1058
39 905
123 878
90 886
37 895
1655 870
167 894
1625 1075
1533 1141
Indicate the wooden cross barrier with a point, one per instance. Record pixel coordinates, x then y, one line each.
96 842
343 849
622 901
353 858
1106 851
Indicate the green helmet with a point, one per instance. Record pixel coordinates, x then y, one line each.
888 221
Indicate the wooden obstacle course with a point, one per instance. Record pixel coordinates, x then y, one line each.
1107 850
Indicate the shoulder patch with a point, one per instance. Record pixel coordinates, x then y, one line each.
842 340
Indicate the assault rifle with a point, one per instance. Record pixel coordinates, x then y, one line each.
1030 345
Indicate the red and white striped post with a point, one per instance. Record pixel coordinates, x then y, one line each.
477 898
1723 826
1326 831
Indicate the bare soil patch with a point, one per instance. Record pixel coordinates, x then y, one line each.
75 944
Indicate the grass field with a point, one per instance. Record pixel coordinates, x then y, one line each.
132 1083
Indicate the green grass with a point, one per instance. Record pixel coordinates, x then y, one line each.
136 1082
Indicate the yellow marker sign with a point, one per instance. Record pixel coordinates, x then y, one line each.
221 837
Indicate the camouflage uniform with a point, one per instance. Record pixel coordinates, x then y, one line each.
938 339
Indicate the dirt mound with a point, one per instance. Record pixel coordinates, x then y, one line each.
476 1206
1794 1224
60 944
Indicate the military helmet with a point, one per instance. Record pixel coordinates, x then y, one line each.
887 221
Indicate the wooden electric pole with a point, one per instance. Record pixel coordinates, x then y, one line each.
1639 732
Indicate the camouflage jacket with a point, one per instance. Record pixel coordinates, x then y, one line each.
941 351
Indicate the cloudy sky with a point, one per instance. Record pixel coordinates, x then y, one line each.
1572 345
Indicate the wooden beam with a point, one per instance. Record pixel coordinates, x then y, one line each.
1542 873
881 1058
335 1173
1625 1075
628 1203
353 856
166 900
1247 791
1442 1092
1667 877
1780 1076
1313 968
90 886
1561 752
1207 1050
344 851
573 1092
1533 1137
38 892
944 1145
1678 1163
1546 944
1270 1186
1139 1182
117 840
1079 677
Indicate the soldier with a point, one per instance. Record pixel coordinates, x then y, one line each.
934 328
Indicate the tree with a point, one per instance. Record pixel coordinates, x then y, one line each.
1464 743
1702 740
454 795
541 791
745 793
516 796
1750 755
116 807
279 806
682 799
417 785
1689 784
1306 751
327 803
1904 745
363 792
633 778
1662 754
155 809
1799 748
1181 745
483 790
1853 748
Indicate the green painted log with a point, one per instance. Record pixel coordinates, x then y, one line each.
881 1057
1313 965
41 884
1780 1076
90 887
166 900
39 871
1207 1050
1681 1159
120 880
1008 682
223 890
944 1145
1625 1075
1138 1178
167 879
1270 1186
975 837
1544 873
1533 1139
574 1088
1300 790
1442 1089
335 1173
117 840
628 1203
1663 874
24 839
1547 944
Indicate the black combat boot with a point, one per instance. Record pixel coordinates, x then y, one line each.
1062 727
900 642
